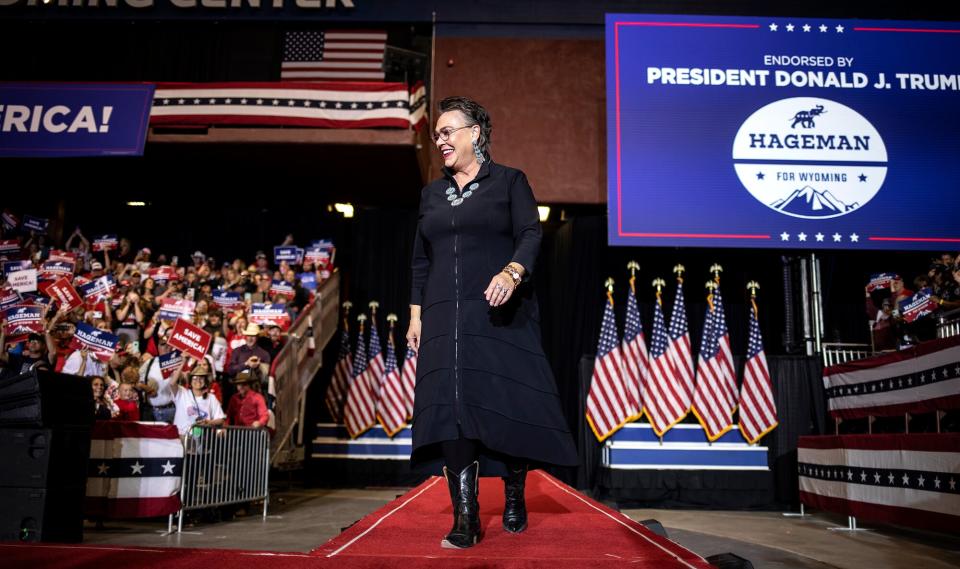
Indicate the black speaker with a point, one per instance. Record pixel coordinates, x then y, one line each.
42 514
46 399
729 561
656 527
44 458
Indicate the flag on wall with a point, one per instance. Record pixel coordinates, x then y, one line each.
333 55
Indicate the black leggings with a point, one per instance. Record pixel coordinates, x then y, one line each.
459 453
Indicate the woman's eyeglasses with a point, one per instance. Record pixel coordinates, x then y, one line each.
444 133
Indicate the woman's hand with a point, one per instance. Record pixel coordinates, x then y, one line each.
499 290
413 334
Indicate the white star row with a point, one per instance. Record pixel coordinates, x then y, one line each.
276 102
136 468
905 479
820 237
807 28
855 390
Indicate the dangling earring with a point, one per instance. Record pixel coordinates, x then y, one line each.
478 152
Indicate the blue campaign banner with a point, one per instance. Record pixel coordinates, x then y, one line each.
308 280
292 255
14 266
31 223
917 306
227 299
803 133
73 119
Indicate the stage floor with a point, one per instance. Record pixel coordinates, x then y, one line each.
301 519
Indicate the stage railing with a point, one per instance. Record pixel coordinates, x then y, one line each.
295 367
948 324
840 353
224 465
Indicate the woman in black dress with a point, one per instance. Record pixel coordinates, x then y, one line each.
486 402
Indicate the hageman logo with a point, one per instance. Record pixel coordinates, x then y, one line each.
810 158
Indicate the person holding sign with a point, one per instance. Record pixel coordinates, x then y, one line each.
196 407
486 401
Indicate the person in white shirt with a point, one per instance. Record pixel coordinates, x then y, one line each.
82 362
160 390
196 406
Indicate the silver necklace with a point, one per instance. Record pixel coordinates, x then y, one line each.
455 199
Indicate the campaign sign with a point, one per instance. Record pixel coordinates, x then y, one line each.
319 257
9 247
58 255
172 309
31 223
101 288
53 270
9 220
23 320
8 297
227 299
14 266
269 315
23 281
105 243
163 274
66 296
880 281
282 288
101 344
917 306
170 363
804 133
191 340
291 255
73 119
308 280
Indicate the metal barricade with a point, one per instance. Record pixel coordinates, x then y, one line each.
224 465
839 353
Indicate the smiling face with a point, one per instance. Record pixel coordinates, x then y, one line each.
457 150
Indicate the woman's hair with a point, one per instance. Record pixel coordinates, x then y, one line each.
475 114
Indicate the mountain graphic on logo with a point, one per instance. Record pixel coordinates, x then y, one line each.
808 202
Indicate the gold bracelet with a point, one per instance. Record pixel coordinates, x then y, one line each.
513 274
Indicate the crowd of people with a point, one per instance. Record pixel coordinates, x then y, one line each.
888 300
142 295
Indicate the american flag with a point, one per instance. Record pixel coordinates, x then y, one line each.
715 397
359 413
663 398
409 376
340 381
680 354
342 55
374 372
608 405
758 410
636 365
391 409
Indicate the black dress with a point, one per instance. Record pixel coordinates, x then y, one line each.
481 371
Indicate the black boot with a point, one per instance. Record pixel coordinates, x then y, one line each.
464 494
515 507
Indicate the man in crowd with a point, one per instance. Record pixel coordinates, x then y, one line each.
249 355
247 407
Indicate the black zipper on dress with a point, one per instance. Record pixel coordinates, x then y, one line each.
456 315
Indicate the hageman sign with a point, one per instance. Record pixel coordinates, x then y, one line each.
783 133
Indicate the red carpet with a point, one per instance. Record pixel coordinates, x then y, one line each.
566 529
